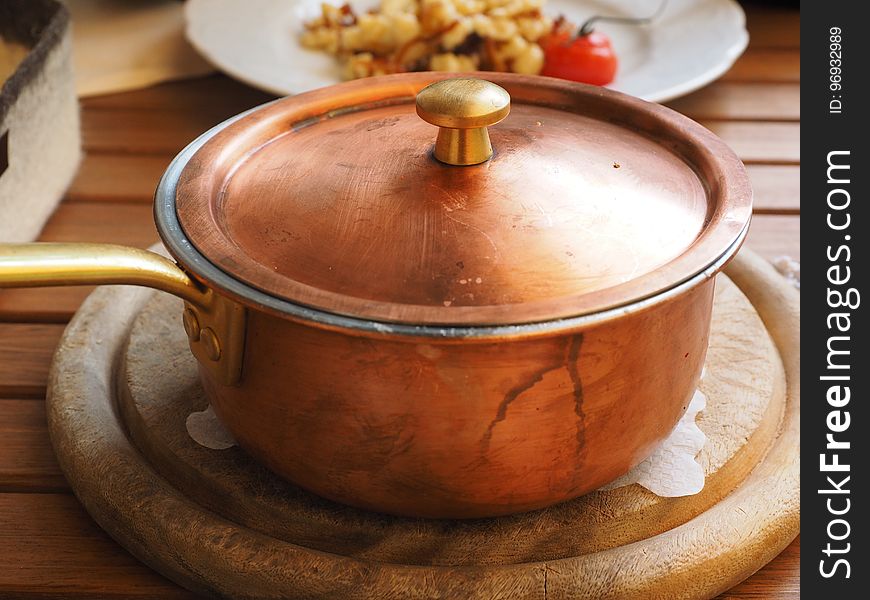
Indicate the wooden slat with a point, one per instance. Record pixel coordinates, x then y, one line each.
779 580
777 188
165 118
134 131
50 548
768 65
25 355
27 462
129 224
742 101
776 143
773 27
773 236
41 305
118 178
189 96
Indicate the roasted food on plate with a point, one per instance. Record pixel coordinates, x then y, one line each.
433 35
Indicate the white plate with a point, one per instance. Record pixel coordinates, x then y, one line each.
692 43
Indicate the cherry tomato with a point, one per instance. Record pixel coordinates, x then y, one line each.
587 58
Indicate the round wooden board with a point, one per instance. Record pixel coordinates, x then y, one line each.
123 384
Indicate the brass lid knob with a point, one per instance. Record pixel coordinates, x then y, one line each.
463 109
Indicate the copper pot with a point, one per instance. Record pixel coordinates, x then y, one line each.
440 333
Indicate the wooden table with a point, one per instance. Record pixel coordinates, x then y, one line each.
49 546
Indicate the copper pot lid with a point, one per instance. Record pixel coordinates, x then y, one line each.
335 200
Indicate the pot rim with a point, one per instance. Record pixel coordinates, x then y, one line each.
190 258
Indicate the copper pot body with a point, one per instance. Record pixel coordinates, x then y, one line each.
429 428
468 424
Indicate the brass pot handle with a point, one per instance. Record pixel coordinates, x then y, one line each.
49 264
215 325
463 109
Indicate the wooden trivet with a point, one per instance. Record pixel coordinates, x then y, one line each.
123 384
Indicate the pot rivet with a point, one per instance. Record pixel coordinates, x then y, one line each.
191 324
210 342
